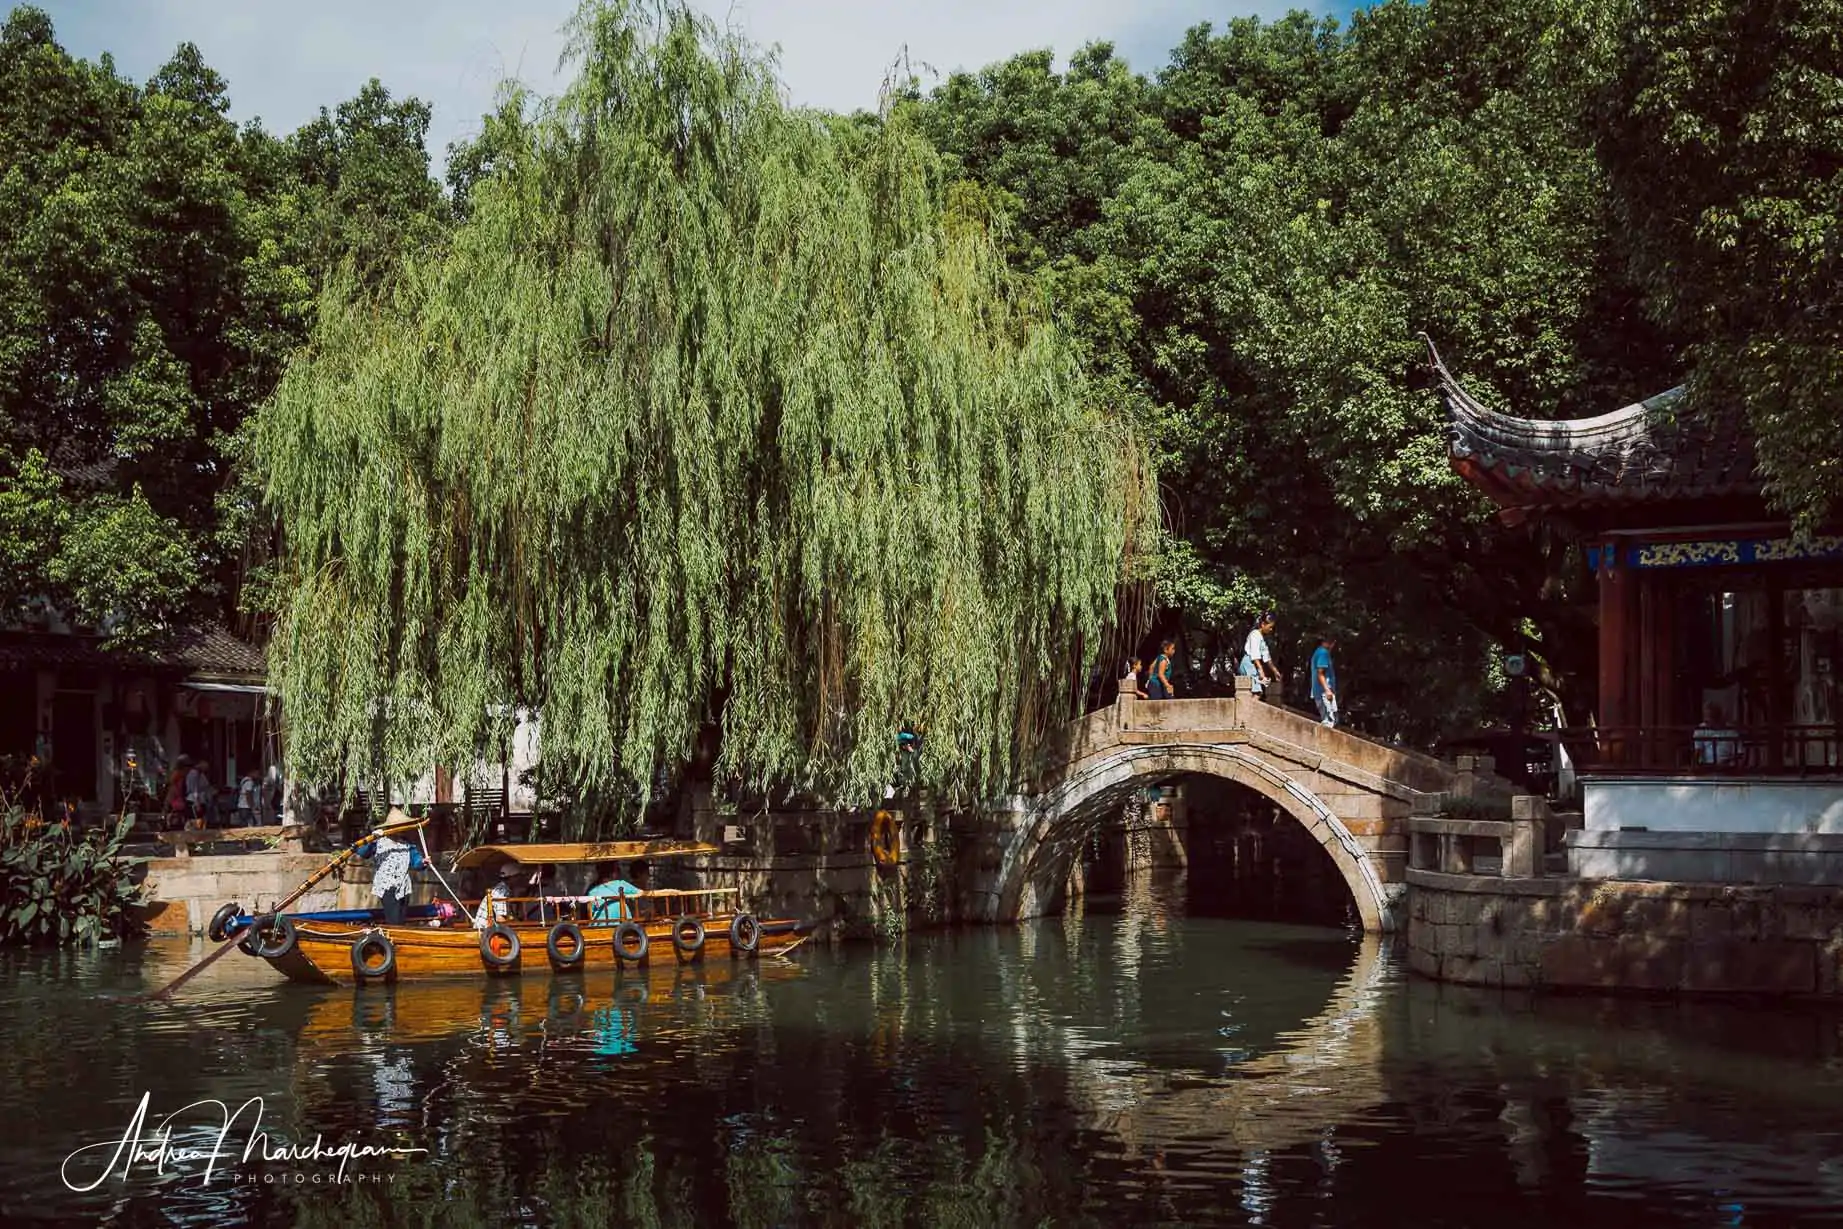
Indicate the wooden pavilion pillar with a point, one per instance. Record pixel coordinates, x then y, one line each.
1618 628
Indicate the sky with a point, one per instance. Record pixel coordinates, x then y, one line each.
285 59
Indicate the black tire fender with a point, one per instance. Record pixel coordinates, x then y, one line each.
372 940
745 935
688 937
270 936
630 942
496 959
219 929
553 943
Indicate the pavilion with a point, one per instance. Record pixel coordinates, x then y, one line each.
1720 638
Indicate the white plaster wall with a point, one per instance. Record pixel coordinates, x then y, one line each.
1690 805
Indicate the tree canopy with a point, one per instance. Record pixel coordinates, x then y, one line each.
1724 141
717 434
739 434
1583 201
158 264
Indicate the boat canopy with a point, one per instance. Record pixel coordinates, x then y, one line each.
592 851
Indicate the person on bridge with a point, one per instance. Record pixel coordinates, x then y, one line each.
1158 684
1257 659
1324 681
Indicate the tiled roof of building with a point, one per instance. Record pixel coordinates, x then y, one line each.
1649 452
206 651
211 649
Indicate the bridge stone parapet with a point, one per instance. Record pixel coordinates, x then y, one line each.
1352 794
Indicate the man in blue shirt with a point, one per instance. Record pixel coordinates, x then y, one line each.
618 890
1324 681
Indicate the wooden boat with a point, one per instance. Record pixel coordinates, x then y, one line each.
507 935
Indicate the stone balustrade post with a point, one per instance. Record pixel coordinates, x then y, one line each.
1529 820
1471 769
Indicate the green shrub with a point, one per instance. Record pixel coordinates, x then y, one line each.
58 884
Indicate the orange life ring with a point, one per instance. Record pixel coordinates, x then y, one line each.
885 838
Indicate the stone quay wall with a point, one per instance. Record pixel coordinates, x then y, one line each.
1576 934
817 868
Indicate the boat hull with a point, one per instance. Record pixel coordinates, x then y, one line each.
322 952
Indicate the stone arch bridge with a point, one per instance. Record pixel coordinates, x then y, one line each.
1352 794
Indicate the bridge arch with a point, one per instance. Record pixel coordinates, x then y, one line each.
1060 820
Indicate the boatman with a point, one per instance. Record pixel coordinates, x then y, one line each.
390 876
611 893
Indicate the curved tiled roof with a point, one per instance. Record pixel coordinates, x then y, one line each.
206 651
1650 451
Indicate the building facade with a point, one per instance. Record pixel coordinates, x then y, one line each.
107 727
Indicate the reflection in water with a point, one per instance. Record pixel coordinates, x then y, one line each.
1145 1068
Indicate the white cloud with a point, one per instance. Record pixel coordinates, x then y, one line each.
285 59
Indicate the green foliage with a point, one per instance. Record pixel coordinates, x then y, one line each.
157 266
364 183
105 561
931 869
713 435
1725 145
57 886
32 518
887 920
1257 240
119 555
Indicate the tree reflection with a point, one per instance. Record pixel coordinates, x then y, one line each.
769 1182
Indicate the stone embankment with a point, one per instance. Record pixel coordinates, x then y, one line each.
1506 920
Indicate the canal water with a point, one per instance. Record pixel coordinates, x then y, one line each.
1138 1068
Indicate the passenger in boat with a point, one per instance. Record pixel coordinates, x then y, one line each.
445 911
611 891
494 908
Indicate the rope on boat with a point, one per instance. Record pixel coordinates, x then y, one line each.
428 860
787 951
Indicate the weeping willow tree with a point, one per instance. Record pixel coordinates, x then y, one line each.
717 437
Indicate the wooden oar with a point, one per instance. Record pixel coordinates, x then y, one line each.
389 828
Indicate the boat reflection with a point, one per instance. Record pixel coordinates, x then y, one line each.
597 1013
